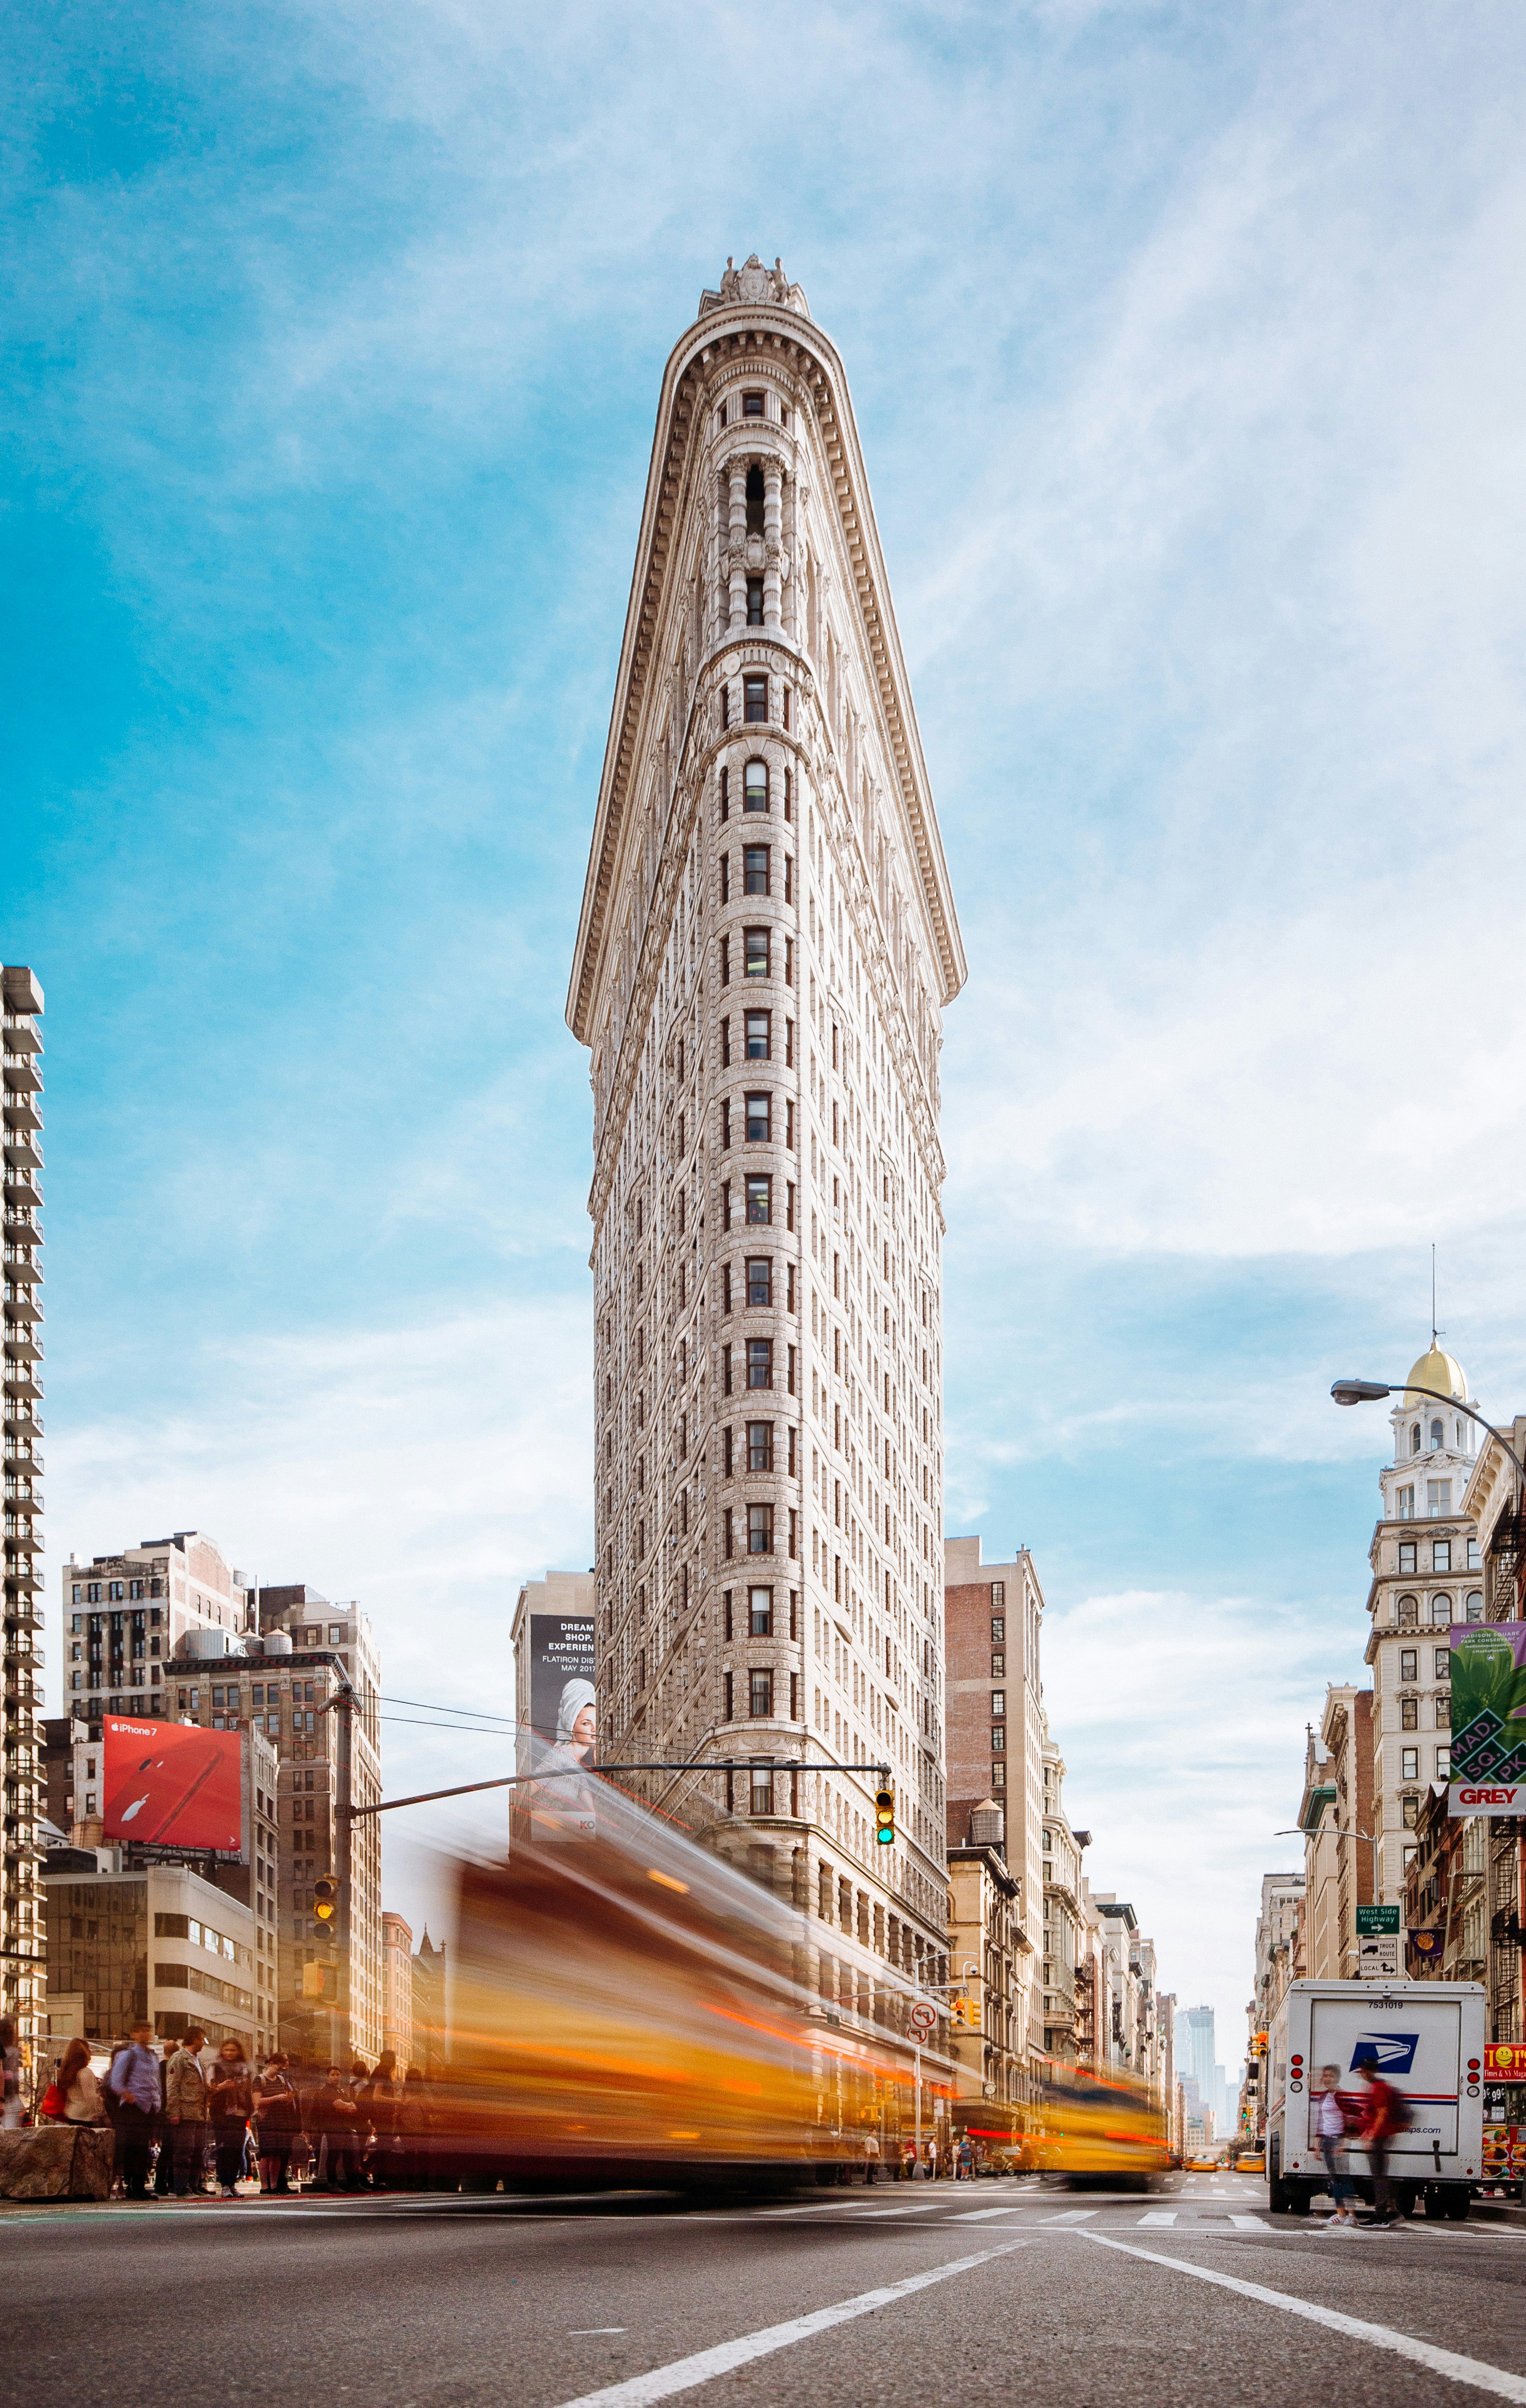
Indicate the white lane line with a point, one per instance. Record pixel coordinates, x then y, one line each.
1247 2223
1450 2362
915 2207
1069 2216
979 2214
1159 2216
591 2332
686 2374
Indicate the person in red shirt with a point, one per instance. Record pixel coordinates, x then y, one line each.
1383 2115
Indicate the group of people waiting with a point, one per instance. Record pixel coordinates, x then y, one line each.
192 2109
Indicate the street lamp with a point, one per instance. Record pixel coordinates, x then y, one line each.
1367 1392
1342 1830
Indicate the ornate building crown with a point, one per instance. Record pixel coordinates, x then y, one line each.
754 283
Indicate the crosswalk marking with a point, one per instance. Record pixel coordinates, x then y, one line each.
1247 2223
1159 2216
1069 2216
979 2214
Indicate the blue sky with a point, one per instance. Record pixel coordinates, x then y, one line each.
1187 349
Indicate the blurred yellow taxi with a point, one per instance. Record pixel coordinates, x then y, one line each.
1250 2161
1203 2165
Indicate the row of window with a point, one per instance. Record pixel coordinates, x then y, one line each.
147 1617
758 1363
757 1446
757 779
756 956
756 1204
757 1284
757 1043
757 1120
1409 1711
755 699
1441 1551
756 873
1409 1658
1407 1609
1437 1437
89 1592
760 1530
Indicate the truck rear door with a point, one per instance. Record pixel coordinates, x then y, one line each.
1418 2048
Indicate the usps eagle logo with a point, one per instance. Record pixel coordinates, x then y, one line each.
1391 2052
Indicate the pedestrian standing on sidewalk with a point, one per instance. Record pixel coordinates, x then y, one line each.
185 2109
230 2101
1331 2128
276 2121
964 2164
10 2058
1384 2113
134 2082
80 2093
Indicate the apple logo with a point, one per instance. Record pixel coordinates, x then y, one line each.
136 1805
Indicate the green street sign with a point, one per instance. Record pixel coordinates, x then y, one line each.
1372 1919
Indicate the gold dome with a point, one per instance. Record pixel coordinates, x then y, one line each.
1436 1370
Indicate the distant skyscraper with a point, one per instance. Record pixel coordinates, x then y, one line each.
767 945
1198 2056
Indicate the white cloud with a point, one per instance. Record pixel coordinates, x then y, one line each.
426 1470
1182 1721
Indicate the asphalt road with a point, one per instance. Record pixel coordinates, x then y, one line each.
903 2296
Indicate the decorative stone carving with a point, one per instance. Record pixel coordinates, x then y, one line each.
57 2161
753 283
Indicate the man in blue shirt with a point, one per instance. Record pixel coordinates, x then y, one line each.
134 2081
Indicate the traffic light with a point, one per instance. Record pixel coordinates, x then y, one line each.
885 1816
959 2010
325 1908
312 1981
1260 2043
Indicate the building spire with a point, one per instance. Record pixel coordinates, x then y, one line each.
1432 1291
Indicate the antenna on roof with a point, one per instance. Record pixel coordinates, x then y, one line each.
1432 1291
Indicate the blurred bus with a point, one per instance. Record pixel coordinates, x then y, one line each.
628 2008
1103 2128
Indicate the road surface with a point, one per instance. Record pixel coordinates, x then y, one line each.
898 2297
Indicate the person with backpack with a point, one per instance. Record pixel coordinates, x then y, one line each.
1385 2112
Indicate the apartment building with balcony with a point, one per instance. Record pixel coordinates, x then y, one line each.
23 1949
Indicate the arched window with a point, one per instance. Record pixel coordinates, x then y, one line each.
1415 1440
1462 1439
756 787
1435 1434
1441 1607
1408 1613
1473 1605
754 501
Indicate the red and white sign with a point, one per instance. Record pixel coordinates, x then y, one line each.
1481 1798
922 2019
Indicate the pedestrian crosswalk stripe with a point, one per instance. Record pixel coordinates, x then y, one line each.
1159 2216
978 2214
1069 2216
1247 2223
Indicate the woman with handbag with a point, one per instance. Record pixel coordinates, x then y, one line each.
74 2095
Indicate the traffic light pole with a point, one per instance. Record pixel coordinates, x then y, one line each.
652 1764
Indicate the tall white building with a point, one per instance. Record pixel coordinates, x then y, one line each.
1426 1575
767 944
22 1974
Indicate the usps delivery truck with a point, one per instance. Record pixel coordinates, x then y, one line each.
1425 2038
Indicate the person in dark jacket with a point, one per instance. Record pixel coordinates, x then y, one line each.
278 2119
185 2112
230 2101
331 2113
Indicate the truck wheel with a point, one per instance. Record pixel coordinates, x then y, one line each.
1279 2197
1459 2201
1299 2197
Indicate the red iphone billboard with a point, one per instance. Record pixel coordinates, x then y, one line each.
172 1786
